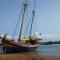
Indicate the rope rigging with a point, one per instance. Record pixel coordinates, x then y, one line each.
18 24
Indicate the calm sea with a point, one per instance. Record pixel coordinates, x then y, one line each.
49 49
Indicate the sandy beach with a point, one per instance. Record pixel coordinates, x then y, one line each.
27 56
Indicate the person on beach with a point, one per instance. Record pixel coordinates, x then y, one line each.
3 39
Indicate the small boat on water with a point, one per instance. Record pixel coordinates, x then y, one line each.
27 43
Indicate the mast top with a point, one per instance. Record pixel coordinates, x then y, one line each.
26 2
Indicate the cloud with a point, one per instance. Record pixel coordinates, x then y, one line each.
51 37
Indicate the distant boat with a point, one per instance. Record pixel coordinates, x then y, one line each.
28 43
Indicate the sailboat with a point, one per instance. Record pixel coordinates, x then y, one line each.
29 44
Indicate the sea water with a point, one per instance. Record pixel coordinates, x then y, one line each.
53 49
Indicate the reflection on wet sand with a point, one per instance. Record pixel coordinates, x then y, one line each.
27 56
21 56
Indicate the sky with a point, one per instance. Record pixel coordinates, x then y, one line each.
47 16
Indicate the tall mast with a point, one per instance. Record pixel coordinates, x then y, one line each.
25 5
33 14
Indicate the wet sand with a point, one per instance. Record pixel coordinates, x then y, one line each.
27 56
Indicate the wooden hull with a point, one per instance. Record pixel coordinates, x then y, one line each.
20 49
9 47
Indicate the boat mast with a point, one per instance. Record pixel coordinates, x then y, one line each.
33 14
25 5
